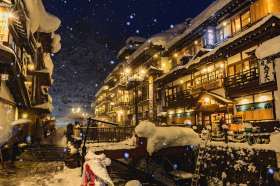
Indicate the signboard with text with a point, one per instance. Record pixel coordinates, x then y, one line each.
266 71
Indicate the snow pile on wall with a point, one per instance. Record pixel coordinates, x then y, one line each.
268 48
133 183
56 43
98 164
163 137
39 19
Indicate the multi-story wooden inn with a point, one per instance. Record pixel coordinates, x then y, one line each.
26 44
221 64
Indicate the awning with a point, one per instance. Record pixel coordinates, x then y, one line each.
216 97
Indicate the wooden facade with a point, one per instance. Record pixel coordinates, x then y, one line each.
207 71
25 67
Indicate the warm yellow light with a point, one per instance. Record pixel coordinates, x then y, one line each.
196 42
175 55
181 82
206 100
120 112
156 56
31 67
127 71
143 72
24 116
127 57
222 65
225 23
204 70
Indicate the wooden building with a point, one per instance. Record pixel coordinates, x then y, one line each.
26 66
208 68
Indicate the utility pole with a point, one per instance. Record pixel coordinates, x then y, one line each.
136 105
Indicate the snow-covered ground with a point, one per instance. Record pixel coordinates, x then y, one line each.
127 144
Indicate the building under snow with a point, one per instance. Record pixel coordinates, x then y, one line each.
27 40
221 64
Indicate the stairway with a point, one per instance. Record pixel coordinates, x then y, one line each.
196 175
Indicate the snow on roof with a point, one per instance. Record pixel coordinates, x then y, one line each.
21 121
201 18
268 48
40 19
48 63
160 39
170 72
218 97
135 39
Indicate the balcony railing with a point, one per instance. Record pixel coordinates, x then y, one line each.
242 79
179 99
113 134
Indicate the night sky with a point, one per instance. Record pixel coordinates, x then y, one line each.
92 33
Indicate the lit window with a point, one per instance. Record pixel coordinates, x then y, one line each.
4 24
246 19
236 25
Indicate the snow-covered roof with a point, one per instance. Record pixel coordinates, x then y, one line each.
171 72
21 121
39 19
200 19
161 39
218 97
268 48
135 39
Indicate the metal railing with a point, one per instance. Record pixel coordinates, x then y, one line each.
110 134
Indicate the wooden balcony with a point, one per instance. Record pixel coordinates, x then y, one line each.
245 83
181 99
210 85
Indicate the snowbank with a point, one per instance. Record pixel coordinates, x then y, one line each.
39 19
69 177
274 144
159 137
133 183
268 48
126 144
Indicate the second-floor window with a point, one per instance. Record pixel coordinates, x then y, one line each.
240 22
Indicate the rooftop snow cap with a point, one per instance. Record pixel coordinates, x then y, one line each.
40 19
163 38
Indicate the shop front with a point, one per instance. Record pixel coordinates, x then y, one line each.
257 107
213 110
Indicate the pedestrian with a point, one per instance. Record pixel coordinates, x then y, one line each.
224 126
69 132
